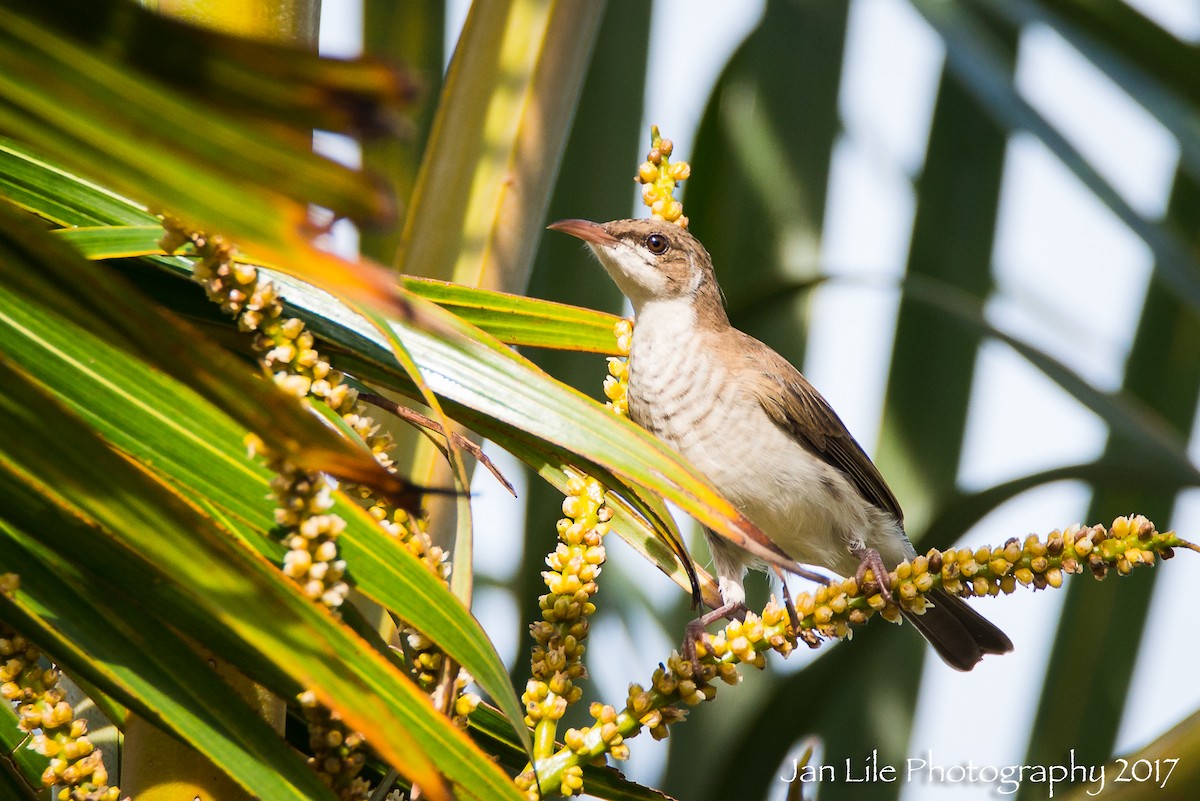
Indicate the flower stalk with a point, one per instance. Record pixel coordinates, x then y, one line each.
304 513
288 351
557 658
832 611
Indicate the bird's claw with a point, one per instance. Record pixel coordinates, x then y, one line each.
693 635
872 561
695 631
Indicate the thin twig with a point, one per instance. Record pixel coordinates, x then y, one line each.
416 418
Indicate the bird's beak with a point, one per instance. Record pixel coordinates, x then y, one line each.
588 231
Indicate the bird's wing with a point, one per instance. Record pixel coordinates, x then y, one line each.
796 407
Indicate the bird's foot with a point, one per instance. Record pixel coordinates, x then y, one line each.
696 633
879 574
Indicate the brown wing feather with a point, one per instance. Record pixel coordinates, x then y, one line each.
794 405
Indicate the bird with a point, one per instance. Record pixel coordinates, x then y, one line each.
760 433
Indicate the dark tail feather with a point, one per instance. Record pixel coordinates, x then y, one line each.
960 635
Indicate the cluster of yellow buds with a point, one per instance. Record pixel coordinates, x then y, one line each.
425 660
557 658
574 566
677 684
411 531
338 754
616 383
642 704
311 533
288 351
658 177
286 347
75 764
233 285
743 641
464 702
557 661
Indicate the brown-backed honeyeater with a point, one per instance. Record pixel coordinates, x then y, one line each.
751 423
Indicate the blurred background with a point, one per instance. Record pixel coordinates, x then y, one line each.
973 225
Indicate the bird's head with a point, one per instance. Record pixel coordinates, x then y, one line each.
650 260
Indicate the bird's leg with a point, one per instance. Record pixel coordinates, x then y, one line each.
696 629
879 572
730 566
788 604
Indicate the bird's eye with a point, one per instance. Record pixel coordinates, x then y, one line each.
657 244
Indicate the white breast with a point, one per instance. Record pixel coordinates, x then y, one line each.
693 401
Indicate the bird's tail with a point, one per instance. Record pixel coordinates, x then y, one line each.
960 635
